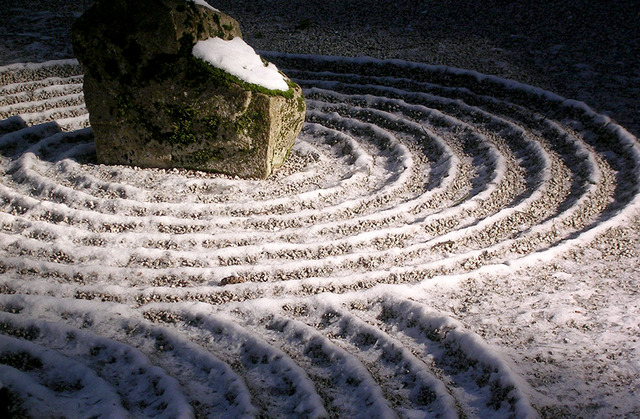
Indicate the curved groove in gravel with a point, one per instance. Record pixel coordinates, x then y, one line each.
213 296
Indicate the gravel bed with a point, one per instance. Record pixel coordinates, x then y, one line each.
483 262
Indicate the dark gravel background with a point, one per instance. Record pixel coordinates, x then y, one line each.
585 49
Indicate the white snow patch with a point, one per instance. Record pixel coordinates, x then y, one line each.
205 4
238 58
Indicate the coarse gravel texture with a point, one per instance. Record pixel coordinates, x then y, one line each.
437 244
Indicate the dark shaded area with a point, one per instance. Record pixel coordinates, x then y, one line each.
587 50
10 406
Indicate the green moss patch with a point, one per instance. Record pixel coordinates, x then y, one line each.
227 78
189 127
301 104
126 107
205 155
250 123
183 132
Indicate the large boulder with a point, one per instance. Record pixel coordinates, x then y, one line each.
164 89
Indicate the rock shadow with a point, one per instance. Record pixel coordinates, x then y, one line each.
47 141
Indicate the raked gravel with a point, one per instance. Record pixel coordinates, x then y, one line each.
551 319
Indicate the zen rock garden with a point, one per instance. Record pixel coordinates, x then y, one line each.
171 84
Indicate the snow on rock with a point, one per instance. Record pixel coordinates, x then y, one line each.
138 119
238 58
205 4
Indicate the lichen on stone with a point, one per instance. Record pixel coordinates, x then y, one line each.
153 104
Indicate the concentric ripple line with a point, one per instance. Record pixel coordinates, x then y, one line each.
62 338
41 179
94 397
305 399
22 93
308 284
42 105
451 160
628 140
113 332
52 84
137 192
591 167
489 188
401 358
326 358
500 169
453 332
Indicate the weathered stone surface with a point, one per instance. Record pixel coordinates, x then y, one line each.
153 104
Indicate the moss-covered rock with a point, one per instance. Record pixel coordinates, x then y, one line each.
153 104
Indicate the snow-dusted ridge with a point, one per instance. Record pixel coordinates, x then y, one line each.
330 289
